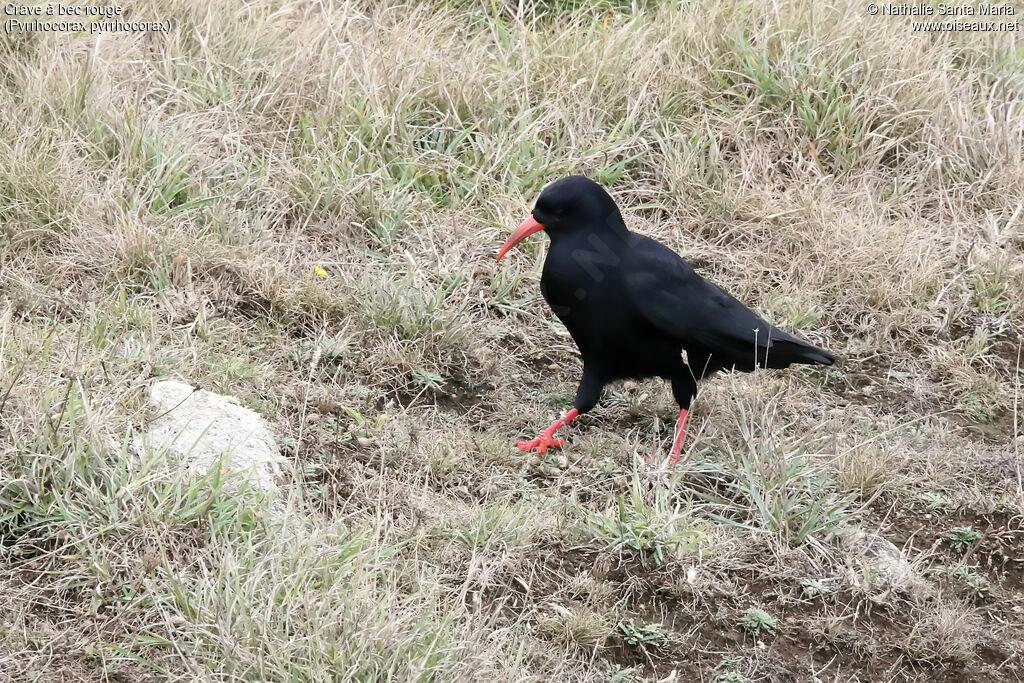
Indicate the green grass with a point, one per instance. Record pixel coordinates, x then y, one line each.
653 531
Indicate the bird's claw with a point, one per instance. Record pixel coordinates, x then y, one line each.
541 444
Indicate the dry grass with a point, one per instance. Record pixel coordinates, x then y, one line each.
298 203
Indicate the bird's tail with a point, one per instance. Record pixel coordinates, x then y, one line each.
785 349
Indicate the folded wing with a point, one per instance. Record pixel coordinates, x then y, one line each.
672 298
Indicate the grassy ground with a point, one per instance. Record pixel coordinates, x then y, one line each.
298 203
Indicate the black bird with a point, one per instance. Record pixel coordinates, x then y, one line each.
632 305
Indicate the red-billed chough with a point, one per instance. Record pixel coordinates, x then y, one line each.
632 305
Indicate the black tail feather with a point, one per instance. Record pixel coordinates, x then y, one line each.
784 352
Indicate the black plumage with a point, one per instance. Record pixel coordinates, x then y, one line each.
632 305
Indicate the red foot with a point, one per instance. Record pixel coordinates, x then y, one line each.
677 443
674 455
541 443
545 439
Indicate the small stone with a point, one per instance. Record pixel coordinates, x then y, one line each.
199 428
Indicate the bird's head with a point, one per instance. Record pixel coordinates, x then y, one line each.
570 205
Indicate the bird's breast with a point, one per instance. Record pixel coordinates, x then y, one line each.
578 293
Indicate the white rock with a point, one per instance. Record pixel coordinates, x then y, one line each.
199 428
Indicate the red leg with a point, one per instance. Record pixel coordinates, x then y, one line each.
677 443
545 439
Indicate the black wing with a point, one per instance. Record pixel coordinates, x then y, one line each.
675 300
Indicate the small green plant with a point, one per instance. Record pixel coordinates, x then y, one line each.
428 379
934 501
962 537
976 584
732 677
756 621
621 674
975 406
646 636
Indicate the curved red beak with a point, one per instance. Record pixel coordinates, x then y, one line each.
525 229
